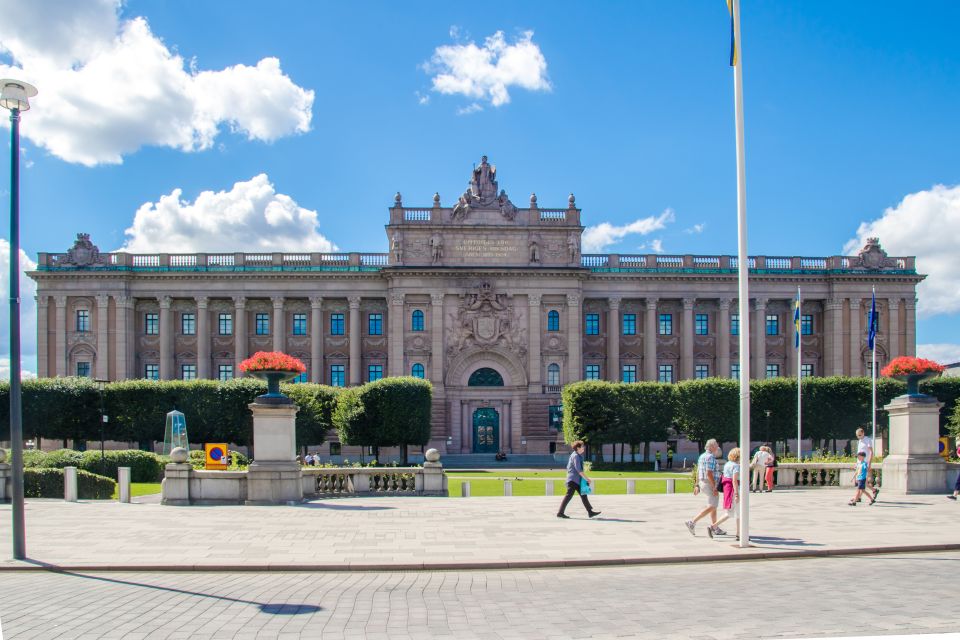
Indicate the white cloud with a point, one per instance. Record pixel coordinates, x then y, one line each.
109 86
697 228
422 98
598 238
944 353
486 72
467 110
252 217
656 245
28 314
925 224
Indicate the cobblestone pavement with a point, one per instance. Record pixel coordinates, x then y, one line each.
838 596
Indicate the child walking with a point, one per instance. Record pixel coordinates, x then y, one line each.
731 488
860 479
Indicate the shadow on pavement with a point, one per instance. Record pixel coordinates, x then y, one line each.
340 507
775 541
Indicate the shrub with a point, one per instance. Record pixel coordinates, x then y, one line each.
48 483
62 458
144 466
31 458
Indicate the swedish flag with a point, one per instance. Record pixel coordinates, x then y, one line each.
874 322
733 37
796 321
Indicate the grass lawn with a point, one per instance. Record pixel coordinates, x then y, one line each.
533 483
139 489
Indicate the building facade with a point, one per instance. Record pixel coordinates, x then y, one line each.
493 303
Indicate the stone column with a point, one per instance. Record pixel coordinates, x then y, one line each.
533 354
574 350
686 340
910 346
723 339
124 343
167 359
203 337
892 328
316 339
436 339
355 340
42 337
613 340
395 335
103 338
650 340
834 355
239 333
279 324
60 348
759 347
856 365
516 425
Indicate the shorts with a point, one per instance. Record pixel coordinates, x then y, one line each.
862 484
734 511
713 499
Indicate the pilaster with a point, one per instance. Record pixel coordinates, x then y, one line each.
892 328
723 339
279 324
533 354
355 340
574 348
60 350
686 339
42 336
436 339
910 346
239 332
856 362
166 339
203 337
759 339
316 339
397 317
613 339
834 355
125 336
650 340
103 338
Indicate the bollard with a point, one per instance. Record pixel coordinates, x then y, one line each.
465 489
70 484
548 488
507 488
123 478
671 485
631 486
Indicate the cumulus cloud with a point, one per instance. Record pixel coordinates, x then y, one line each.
28 315
944 353
925 224
251 216
109 86
598 238
697 228
470 108
487 72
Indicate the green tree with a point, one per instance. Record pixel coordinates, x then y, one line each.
708 409
646 412
591 413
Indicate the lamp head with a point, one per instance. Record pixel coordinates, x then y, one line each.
101 384
15 94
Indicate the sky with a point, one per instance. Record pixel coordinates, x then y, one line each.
205 126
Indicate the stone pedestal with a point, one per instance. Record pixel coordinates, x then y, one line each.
274 475
914 464
5 480
175 488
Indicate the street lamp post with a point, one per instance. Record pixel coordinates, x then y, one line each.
15 97
101 385
766 434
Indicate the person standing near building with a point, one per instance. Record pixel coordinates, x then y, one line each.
708 479
865 446
657 458
860 480
575 476
770 467
758 467
669 457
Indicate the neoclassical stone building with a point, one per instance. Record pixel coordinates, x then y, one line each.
493 303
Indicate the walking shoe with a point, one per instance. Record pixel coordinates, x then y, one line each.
719 531
710 532
592 514
876 494
951 497
852 503
692 528
563 515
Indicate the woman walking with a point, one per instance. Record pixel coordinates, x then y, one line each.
731 489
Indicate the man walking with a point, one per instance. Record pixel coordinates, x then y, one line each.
707 483
575 476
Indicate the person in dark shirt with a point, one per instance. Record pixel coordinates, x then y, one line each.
574 477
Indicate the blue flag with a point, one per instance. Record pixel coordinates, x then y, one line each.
874 322
796 321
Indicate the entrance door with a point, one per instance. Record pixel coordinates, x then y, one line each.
486 430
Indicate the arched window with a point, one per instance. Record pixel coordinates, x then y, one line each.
416 370
553 374
416 321
553 321
485 377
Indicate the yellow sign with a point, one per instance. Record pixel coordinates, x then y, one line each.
945 448
216 456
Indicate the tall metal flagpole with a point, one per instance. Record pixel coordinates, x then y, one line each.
744 290
873 375
796 328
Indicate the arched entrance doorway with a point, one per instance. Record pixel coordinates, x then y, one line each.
486 390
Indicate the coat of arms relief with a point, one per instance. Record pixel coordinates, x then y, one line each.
485 319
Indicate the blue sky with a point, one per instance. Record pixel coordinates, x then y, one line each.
850 119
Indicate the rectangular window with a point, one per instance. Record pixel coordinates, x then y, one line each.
300 378
375 324
83 369
151 324
773 324
337 377
225 324
151 372
336 324
735 371
701 324
335 449
629 373
188 324
593 324
806 325
592 372
734 324
83 320
374 372
806 371
773 371
629 324
701 371
299 324
263 324
556 416
666 324
225 372
665 373
188 372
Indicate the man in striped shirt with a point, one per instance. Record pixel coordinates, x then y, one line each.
708 485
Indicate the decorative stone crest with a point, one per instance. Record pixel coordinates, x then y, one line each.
872 256
84 253
485 318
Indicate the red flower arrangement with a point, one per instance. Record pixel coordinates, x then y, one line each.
271 361
909 365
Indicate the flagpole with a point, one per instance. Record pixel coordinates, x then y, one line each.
873 376
799 373
743 287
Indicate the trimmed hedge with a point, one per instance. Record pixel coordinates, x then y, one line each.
144 466
48 483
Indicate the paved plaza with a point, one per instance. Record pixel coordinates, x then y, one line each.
448 533
837 596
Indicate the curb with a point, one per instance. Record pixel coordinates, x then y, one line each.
10 566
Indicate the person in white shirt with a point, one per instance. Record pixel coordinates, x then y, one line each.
865 446
759 466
